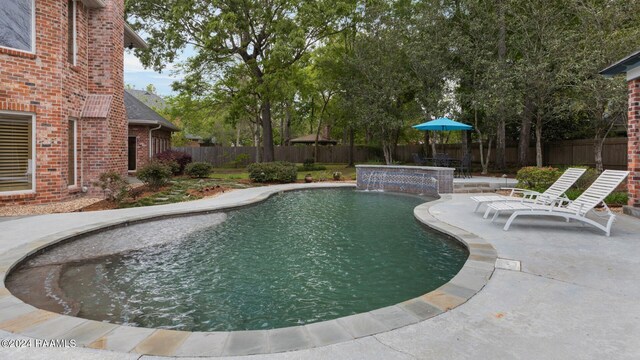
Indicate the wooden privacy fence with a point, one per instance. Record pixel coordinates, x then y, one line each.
570 152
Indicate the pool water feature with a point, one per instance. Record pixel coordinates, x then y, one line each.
296 258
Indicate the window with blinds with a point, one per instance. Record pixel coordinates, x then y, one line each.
16 145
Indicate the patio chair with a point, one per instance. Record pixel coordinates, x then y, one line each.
555 191
577 209
418 160
463 167
441 160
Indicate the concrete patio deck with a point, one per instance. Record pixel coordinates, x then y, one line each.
575 295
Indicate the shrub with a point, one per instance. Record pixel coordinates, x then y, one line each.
198 169
181 158
279 171
155 174
586 179
535 178
173 166
115 188
308 163
241 160
617 198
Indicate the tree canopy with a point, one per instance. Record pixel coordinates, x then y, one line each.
264 71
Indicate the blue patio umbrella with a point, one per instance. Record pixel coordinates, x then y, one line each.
442 124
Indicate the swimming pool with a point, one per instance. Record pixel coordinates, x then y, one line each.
296 258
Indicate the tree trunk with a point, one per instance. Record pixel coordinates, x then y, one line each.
539 140
388 152
281 131
426 144
434 141
483 162
351 147
525 133
502 52
484 159
256 140
467 135
287 125
598 143
267 132
315 145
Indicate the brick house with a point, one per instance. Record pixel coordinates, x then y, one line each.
631 67
145 124
62 113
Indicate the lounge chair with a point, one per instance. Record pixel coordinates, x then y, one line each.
577 209
554 192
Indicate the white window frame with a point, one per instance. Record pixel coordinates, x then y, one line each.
33 154
33 32
75 34
75 153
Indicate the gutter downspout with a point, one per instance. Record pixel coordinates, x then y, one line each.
151 141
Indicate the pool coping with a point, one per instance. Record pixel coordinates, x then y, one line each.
24 319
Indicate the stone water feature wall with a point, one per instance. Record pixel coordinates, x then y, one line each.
425 180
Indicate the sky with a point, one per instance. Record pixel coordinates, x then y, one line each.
136 75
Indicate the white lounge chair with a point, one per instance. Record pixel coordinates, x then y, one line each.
577 209
554 192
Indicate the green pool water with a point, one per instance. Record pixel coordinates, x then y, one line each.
297 258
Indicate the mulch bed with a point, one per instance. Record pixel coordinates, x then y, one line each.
207 191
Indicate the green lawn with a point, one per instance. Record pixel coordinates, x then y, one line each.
348 173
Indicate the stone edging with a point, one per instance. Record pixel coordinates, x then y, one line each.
24 319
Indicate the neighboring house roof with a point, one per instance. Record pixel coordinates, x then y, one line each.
630 62
311 139
148 98
97 106
193 137
140 114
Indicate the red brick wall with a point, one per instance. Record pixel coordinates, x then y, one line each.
142 138
46 84
633 144
106 71
142 144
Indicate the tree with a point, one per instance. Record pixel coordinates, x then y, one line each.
604 32
541 55
267 37
380 91
151 88
480 91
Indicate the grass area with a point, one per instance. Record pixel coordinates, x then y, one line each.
348 173
182 189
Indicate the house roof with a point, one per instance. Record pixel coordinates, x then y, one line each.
131 38
311 139
148 98
630 62
193 137
140 114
